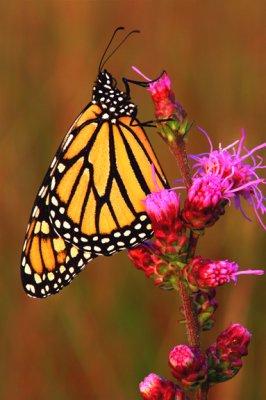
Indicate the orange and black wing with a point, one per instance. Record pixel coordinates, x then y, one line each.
91 199
48 261
98 187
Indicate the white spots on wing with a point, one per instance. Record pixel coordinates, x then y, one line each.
54 201
35 212
30 288
58 225
97 248
61 167
143 217
50 276
53 162
66 225
142 235
87 255
138 226
62 269
27 269
68 140
53 182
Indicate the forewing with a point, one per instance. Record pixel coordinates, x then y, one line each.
98 187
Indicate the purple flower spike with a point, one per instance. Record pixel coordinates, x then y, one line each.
235 170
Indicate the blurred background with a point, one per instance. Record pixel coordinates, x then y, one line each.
111 327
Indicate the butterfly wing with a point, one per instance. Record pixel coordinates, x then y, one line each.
91 199
48 262
99 185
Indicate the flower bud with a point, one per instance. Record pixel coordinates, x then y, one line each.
155 387
147 258
172 118
188 365
206 305
225 356
234 341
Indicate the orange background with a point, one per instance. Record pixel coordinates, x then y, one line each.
111 326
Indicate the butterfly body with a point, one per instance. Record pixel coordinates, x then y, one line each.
91 200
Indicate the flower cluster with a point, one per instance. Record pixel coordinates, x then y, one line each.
158 259
221 362
222 177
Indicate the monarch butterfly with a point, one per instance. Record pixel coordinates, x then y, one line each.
90 201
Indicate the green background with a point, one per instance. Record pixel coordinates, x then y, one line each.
111 326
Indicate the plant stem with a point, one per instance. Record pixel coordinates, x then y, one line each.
192 325
178 148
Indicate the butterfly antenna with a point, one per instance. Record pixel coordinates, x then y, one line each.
107 47
102 63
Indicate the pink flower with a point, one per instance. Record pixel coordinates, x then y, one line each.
154 387
204 203
166 107
163 209
188 365
203 273
232 174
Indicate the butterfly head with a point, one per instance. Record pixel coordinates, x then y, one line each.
113 101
